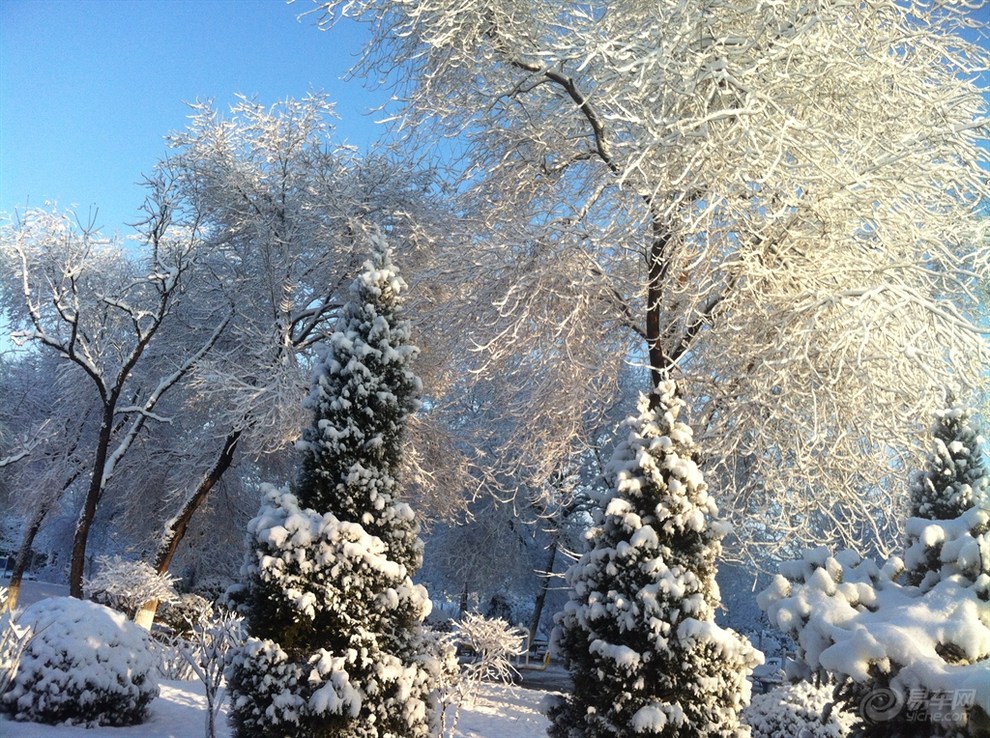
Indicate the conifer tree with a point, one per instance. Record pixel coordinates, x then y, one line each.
907 641
337 645
957 475
955 482
638 634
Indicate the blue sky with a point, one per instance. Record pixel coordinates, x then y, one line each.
89 88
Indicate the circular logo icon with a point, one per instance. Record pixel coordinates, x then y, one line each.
880 705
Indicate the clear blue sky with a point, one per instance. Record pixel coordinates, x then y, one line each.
89 88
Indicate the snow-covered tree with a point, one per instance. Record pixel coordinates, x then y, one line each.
337 645
106 315
955 480
909 642
779 201
638 634
957 475
281 206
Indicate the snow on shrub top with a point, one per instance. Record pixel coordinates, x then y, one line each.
856 620
85 664
126 585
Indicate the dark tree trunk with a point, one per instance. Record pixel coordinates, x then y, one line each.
23 559
88 513
658 263
145 614
180 524
541 595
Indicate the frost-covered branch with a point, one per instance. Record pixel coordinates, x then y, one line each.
807 262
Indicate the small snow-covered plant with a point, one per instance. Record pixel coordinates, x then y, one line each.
801 710
126 585
183 613
638 634
207 650
169 648
85 664
494 643
13 639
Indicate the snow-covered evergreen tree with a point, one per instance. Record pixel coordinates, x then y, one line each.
638 634
955 481
908 642
957 474
337 645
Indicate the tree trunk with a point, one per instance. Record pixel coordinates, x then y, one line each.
180 523
658 262
541 595
88 512
464 600
177 528
23 558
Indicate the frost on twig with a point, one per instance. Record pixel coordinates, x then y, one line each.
489 644
207 649
126 585
13 640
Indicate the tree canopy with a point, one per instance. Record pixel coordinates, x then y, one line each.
778 203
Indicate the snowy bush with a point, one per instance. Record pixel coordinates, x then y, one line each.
909 646
85 664
174 630
183 613
211 640
126 585
638 633
169 649
493 643
800 710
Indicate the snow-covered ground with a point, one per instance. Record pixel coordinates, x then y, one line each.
499 711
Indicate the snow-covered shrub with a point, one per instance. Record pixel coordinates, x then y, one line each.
175 629
169 649
126 585
493 644
85 664
183 613
908 646
206 649
800 710
638 634
956 478
336 640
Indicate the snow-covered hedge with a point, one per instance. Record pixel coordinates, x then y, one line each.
797 711
84 665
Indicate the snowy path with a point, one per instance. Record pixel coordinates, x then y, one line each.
180 712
